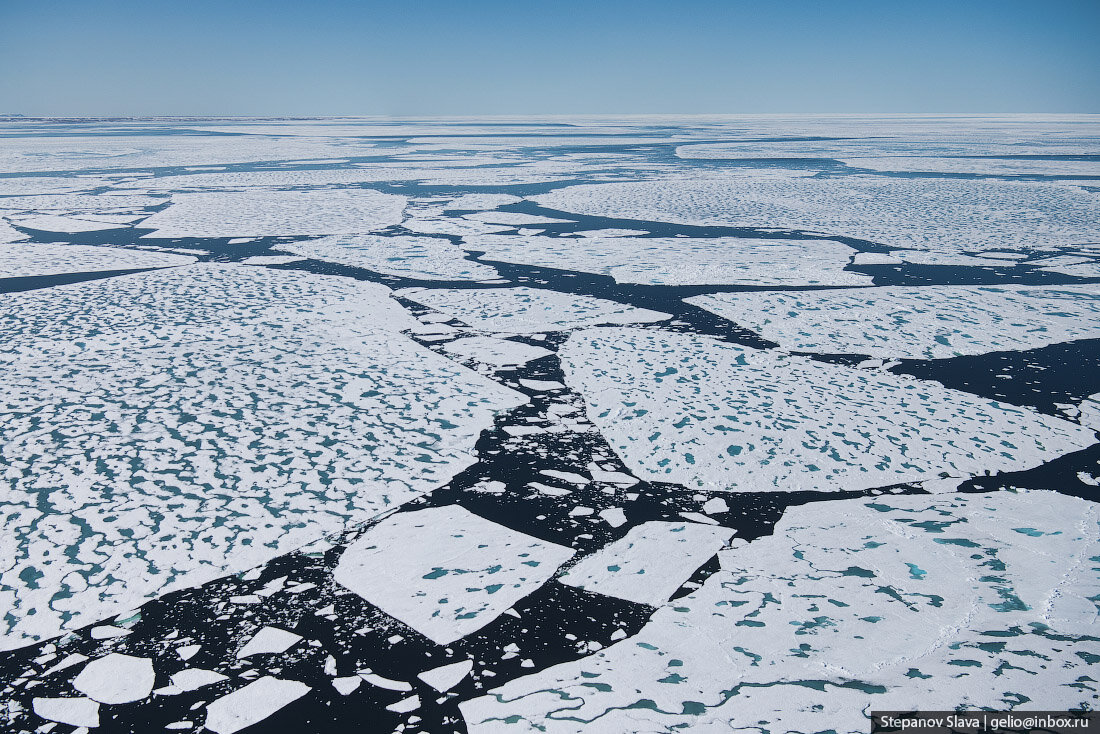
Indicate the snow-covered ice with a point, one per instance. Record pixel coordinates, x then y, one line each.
116 678
681 260
894 604
428 258
528 310
499 352
707 414
252 704
23 260
924 322
444 571
649 563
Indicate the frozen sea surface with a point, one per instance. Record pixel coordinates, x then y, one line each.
546 424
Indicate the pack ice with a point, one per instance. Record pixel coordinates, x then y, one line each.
716 416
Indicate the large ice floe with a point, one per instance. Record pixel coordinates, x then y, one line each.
444 571
527 310
162 429
681 260
707 414
22 260
428 258
260 213
926 322
985 166
897 603
903 212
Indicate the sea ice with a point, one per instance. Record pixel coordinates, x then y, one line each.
265 408
498 352
427 258
924 322
893 603
985 166
444 571
681 260
116 678
252 704
74 711
23 260
901 212
712 415
265 213
649 563
528 310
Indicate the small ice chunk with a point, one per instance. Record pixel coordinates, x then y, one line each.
542 385
715 505
252 704
188 651
405 705
268 640
77 711
346 685
107 631
116 678
613 516
190 679
387 683
446 677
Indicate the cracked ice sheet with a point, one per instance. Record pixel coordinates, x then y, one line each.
681 260
444 571
927 322
528 310
695 411
247 412
263 213
22 260
900 603
901 212
426 258
497 352
649 563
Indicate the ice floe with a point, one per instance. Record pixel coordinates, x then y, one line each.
925 322
252 704
898 603
444 571
116 678
649 563
985 166
267 408
499 352
903 212
73 710
681 260
528 310
427 258
33 259
712 415
262 213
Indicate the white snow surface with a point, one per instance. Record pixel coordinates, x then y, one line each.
923 322
649 563
252 704
30 259
444 571
427 258
499 352
116 678
901 212
269 213
891 603
716 416
527 310
239 397
681 260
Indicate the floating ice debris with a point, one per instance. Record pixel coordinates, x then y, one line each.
74 711
262 213
983 600
715 506
268 640
428 258
446 677
649 563
191 679
926 322
188 651
346 686
903 212
527 310
541 385
681 261
24 260
405 705
444 571
388 683
614 516
498 352
252 704
716 416
116 678
513 218
107 631
271 259
480 202
54 223
291 370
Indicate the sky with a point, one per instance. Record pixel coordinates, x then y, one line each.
483 57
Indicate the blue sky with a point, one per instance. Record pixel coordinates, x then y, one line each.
339 57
